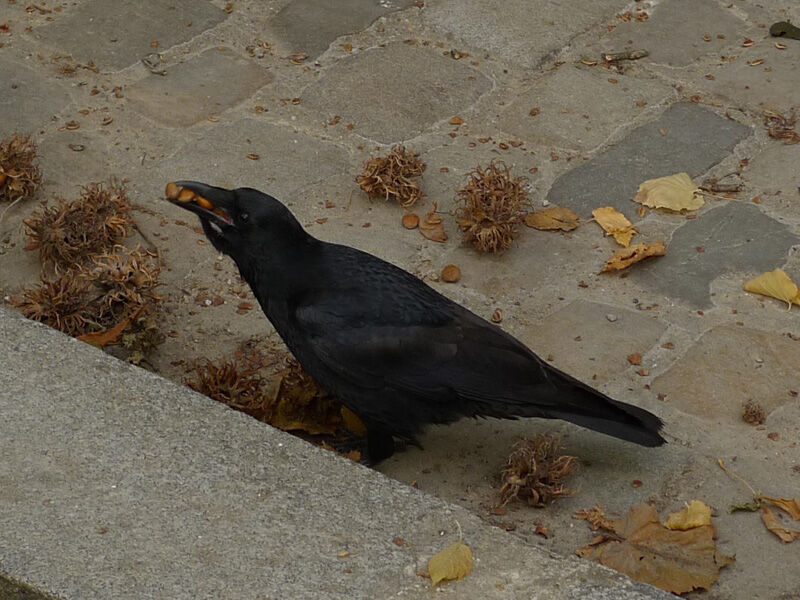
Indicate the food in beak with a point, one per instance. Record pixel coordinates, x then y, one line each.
185 195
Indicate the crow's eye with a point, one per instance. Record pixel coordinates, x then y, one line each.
244 217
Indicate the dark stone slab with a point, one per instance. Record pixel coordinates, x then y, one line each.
116 34
394 93
735 237
311 25
191 91
729 366
18 86
696 139
674 32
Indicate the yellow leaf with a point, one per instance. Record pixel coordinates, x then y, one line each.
772 522
628 256
674 192
454 562
790 505
775 284
552 219
694 514
353 423
614 223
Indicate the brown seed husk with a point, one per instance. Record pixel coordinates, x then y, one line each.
69 233
451 274
492 207
19 169
753 414
535 471
393 176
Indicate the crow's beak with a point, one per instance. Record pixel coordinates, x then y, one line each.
210 203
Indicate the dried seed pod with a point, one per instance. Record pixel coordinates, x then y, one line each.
172 190
451 274
492 207
186 195
497 315
392 175
19 172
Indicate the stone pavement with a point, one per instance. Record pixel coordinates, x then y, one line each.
380 73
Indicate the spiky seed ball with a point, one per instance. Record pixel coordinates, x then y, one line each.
492 207
20 175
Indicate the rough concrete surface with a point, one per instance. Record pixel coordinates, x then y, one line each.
209 503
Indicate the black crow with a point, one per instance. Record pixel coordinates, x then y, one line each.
392 349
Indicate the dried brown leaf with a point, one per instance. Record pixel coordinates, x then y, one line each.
626 257
430 225
774 524
673 192
675 561
553 218
790 505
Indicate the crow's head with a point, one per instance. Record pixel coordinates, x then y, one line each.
237 221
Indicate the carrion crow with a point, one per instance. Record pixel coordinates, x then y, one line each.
395 351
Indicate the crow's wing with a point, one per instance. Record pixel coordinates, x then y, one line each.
431 348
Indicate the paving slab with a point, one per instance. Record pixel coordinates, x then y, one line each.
118 34
19 84
580 107
424 87
190 91
759 365
311 26
673 34
523 32
694 139
119 484
736 237
592 341
770 84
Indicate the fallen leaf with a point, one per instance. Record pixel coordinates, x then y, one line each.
430 225
775 284
675 561
100 339
674 192
774 524
694 514
628 256
353 423
454 562
614 223
790 505
553 218
595 517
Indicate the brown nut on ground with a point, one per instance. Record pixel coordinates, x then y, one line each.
172 190
451 274
203 203
186 195
410 220
3 178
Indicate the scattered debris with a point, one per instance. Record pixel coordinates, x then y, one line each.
627 256
674 192
454 562
610 57
492 207
753 414
553 218
535 471
780 127
775 284
642 548
393 176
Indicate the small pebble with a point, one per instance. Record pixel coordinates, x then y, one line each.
611 317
